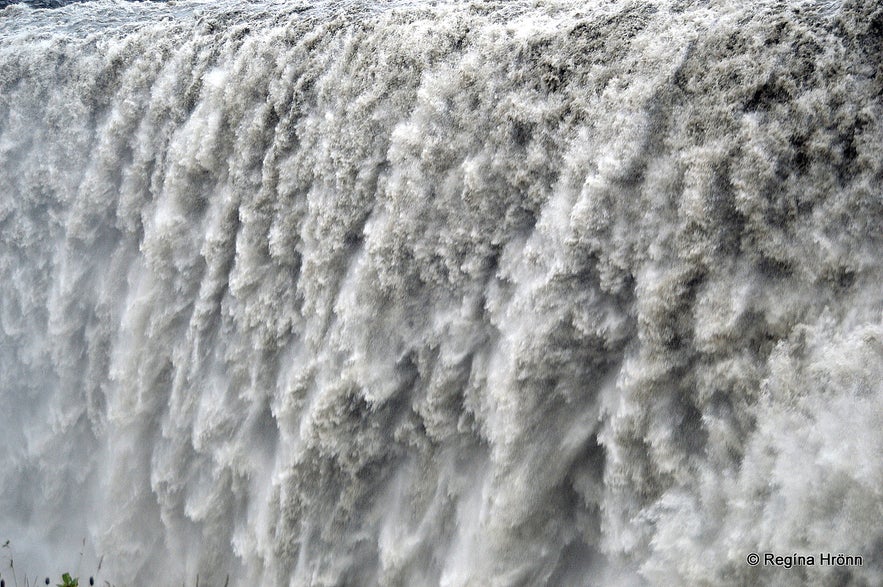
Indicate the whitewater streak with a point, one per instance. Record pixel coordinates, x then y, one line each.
427 293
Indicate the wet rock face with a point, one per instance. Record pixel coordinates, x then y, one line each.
470 293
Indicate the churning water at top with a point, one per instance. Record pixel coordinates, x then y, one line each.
442 293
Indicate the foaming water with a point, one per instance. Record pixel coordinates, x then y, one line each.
441 293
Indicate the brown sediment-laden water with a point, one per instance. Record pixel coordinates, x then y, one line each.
442 293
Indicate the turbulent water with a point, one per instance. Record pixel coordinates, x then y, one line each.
430 293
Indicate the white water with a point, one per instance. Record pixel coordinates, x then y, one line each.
413 293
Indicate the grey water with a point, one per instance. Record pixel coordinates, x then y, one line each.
468 293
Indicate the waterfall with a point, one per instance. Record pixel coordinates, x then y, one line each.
467 293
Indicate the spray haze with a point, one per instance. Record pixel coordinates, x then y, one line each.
442 293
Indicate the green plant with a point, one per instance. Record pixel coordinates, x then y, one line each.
66 581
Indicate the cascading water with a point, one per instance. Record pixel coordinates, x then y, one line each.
442 293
